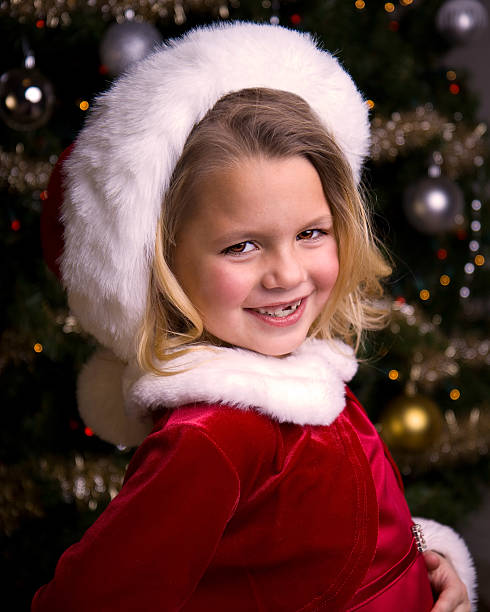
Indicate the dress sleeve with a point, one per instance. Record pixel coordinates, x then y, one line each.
149 548
446 541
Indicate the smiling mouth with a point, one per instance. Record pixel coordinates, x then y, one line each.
280 311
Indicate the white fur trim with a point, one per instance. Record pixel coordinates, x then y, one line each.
445 540
101 401
306 387
123 159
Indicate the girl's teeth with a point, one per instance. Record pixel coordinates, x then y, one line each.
283 311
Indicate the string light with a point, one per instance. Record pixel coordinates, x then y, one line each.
451 75
454 88
389 7
479 260
424 295
84 105
360 4
444 280
455 394
393 374
38 347
441 254
370 104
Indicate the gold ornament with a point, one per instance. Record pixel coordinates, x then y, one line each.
411 423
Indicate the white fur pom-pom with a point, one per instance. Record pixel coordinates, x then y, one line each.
101 401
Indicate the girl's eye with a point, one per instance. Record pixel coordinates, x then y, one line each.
240 248
311 234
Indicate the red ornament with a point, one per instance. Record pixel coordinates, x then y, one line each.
295 19
15 225
88 432
40 23
454 88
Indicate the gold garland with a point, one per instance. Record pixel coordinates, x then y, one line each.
56 13
462 441
461 148
90 482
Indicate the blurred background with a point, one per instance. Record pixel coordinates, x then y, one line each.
423 67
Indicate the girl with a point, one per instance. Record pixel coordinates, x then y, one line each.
216 244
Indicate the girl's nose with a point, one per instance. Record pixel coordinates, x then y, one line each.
283 270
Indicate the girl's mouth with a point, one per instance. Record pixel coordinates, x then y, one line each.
280 316
281 311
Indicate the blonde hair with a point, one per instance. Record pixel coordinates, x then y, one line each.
275 124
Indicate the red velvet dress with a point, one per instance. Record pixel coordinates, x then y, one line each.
225 509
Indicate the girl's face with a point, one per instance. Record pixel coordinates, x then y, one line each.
257 254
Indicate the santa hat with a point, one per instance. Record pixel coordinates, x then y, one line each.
108 191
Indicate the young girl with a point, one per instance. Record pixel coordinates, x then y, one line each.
216 245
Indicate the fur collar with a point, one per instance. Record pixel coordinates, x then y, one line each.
306 387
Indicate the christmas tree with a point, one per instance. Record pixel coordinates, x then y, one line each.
422 379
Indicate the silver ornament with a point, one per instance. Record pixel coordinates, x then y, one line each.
126 43
434 205
26 99
461 20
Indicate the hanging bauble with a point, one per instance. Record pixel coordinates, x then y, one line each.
460 21
26 99
434 205
126 43
411 423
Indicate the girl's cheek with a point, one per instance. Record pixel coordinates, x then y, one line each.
230 284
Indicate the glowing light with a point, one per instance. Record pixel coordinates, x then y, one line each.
464 292
444 280
393 374
455 394
441 254
424 294
475 226
474 245
295 19
15 225
451 75
33 94
360 4
454 89
416 419
476 205
370 104
389 7
469 268
84 105
88 432
479 260
38 347
11 102
40 23
406 2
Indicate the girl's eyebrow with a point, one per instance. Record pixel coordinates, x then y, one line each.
240 235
